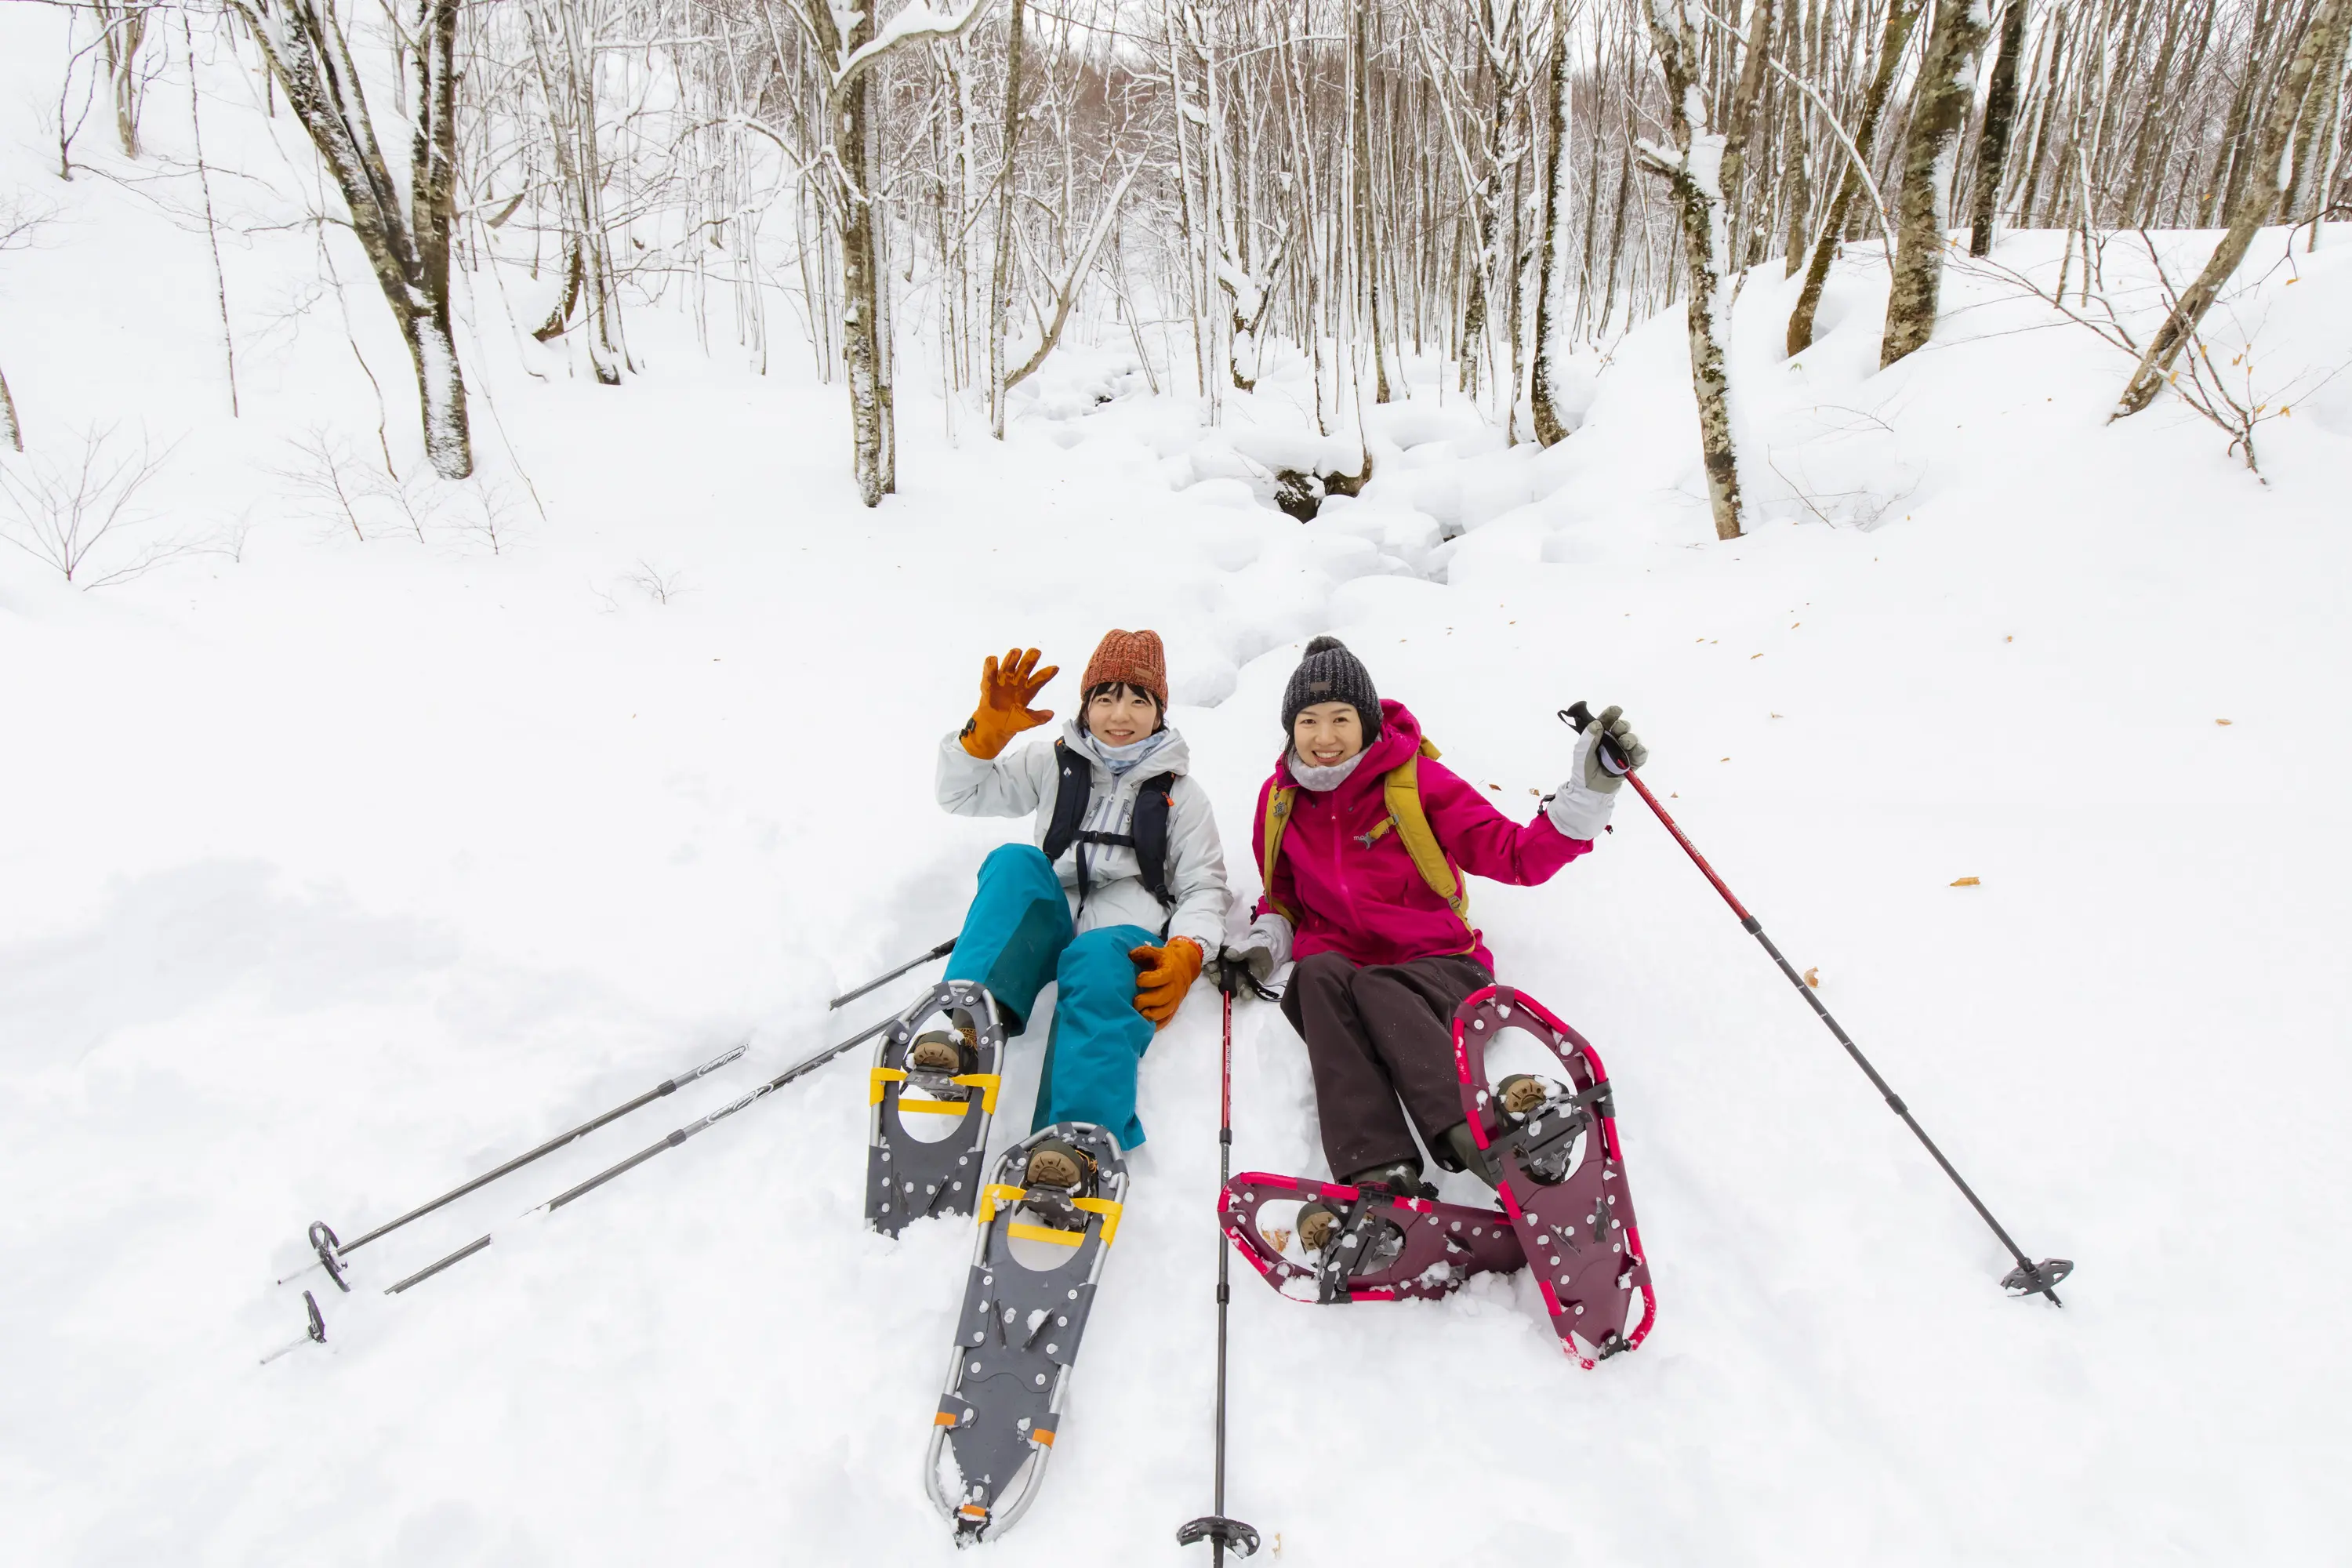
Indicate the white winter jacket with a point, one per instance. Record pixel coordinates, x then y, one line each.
1024 782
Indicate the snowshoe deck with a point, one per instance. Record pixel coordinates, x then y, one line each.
1563 1177
1025 1304
907 1177
1388 1247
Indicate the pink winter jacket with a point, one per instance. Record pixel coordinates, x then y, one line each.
1367 903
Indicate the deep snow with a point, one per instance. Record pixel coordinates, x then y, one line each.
343 869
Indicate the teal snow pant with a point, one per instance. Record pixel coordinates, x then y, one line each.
1018 935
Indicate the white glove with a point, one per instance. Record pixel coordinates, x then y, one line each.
1265 948
1582 805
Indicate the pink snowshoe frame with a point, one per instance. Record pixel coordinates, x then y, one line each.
1480 1240
1482 1016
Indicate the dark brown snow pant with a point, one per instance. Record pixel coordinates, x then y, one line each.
1375 1035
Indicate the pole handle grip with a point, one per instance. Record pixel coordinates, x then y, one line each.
1577 715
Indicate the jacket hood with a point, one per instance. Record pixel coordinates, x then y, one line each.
1172 757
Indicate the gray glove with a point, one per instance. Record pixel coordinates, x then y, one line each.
1265 948
1611 722
1583 806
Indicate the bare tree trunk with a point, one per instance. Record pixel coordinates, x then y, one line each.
1743 114
2312 132
1000 286
9 428
1368 239
1900 16
122 27
1939 111
1692 174
303 45
2256 203
1555 211
861 338
2000 119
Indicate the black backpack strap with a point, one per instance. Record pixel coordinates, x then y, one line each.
1069 800
1154 798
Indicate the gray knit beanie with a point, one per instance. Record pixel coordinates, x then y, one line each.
1328 672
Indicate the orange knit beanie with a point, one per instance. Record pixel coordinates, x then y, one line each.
1134 658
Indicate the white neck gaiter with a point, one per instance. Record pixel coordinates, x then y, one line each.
1322 780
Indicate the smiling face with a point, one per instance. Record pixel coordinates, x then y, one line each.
1119 715
1327 733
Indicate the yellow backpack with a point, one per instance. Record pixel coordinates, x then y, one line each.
1400 789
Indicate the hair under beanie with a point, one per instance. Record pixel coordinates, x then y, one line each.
1135 658
1328 672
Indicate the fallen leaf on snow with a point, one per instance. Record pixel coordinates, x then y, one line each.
1814 978
1966 882
1276 1238
2221 721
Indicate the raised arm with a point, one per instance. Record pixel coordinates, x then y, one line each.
972 779
1485 843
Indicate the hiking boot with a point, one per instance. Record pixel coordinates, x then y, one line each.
1054 1163
1479 1162
1523 1092
941 1052
1402 1177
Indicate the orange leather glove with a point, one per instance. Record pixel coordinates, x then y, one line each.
1006 690
1167 973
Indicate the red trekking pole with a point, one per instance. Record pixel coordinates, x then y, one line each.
1222 1535
2028 1278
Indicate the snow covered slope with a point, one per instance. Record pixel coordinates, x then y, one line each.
339 870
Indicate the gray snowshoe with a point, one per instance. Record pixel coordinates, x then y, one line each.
907 1176
1040 1252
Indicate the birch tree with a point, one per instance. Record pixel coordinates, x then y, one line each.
1692 168
1939 111
407 243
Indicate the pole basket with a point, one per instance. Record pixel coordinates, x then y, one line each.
1226 1534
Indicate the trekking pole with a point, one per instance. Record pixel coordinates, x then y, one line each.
649 1150
940 952
318 1328
1215 1528
2028 1278
331 1251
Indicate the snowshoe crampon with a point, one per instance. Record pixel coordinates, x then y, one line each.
1380 1247
930 1127
1040 1252
1562 1173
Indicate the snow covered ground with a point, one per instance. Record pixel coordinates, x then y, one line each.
339 870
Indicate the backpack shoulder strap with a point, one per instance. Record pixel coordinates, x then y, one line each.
1075 784
1278 817
1400 792
1155 799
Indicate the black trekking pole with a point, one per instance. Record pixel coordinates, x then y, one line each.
1215 1528
331 1251
317 1328
2028 1278
649 1150
940 952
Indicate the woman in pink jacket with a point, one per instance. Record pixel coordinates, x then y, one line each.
1365 891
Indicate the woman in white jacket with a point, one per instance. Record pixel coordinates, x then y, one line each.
1118 898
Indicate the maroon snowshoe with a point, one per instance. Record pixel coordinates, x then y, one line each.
1380 1247
1562 1174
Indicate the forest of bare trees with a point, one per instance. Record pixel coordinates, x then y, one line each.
940 192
